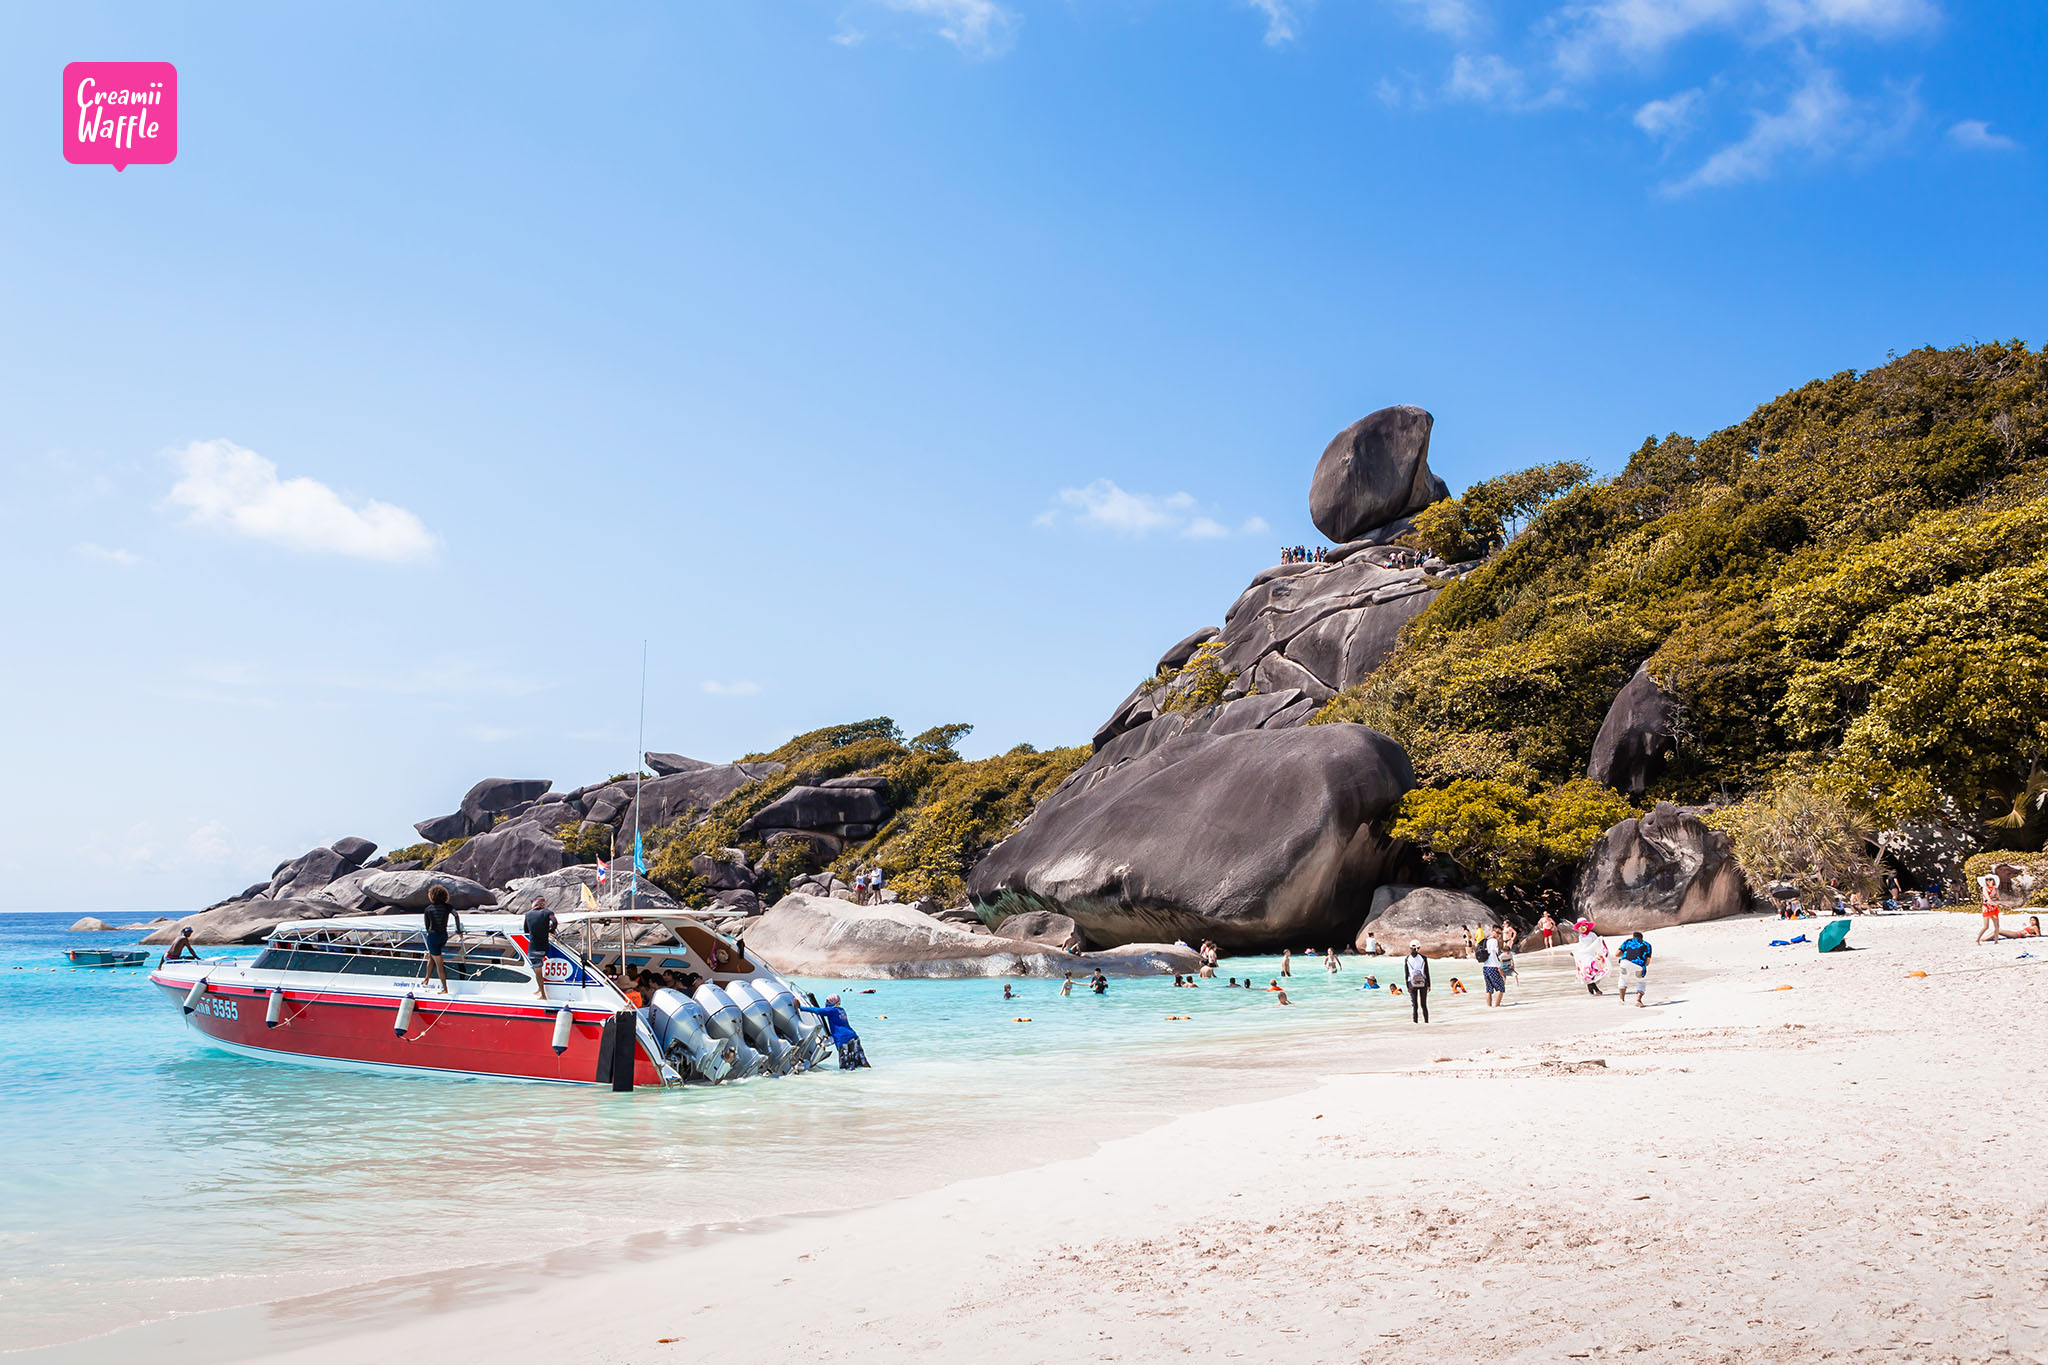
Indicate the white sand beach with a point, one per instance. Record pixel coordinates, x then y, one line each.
1848 1169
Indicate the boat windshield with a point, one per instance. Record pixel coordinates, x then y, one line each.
394 952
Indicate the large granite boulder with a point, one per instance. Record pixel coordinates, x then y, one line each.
89 925
1636 738
350 891
307 873
1663 869
1178 656
1257 838
666 799
724 870
667 765
410 890
244 921
505 854
441 828
1043 926
1375 471
354 851
816 936
1432 916
819 808
493 797
605 805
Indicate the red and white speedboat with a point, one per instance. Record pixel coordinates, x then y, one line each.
354 993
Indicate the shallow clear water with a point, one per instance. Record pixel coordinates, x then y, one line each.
146 1173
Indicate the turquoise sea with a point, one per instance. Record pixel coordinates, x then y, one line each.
147 1175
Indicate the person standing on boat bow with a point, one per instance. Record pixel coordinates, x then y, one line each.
539 923
435 917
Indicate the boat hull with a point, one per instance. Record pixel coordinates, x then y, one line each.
452 1037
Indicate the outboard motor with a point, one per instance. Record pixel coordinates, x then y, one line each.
723 1021
758 1019
808 1032
680 1026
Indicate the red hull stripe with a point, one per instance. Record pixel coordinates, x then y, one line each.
474 1040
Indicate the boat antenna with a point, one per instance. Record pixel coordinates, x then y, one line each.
639 771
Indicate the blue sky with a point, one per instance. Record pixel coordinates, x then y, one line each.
938 358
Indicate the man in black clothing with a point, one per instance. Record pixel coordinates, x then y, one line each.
540 922
1418 983
436 915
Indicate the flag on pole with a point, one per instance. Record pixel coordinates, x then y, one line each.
639 855
604 872
589 901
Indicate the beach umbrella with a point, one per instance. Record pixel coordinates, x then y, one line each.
1832 934
1784 891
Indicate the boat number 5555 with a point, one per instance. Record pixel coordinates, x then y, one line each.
218 1008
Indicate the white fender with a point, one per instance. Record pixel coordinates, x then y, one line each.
404 1020
273 1013
565 1019
192 996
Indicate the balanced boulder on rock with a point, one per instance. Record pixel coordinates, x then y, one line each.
505 854
1375 471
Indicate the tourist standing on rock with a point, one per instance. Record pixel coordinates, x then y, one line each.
1546 927
1635 965
435 917
1490 968
1417 967
539 923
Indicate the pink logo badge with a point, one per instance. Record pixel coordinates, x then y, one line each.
120 114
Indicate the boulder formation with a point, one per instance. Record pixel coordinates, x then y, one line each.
1432 916
411 890
1636 738
89 925
505 854
244 921
1256 838
1663 869
813 936
1374 472
482 807
1042 926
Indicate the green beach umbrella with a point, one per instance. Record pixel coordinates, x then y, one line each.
1832 933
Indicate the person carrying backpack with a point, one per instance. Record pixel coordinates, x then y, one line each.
1417 968
1635 965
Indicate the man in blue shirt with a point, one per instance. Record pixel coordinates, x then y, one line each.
844 1038
1635 965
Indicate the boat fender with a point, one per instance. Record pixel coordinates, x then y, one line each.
273 1013
615 1052
192 996
404 1020
564 1019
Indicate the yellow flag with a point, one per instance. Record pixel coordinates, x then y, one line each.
589 901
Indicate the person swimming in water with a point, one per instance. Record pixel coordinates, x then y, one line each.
1008 994
1098 983
1067 986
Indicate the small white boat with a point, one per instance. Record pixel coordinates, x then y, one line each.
354 993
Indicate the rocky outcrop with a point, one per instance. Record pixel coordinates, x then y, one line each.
1178 656
667 765
354 851
664 800
441 828
505 854
1374 472
1663 869
89 925
1043 926
350 891
1432 916
410 890
812 936
724 870
1636 738
563 891
483 806
244 921
1257 838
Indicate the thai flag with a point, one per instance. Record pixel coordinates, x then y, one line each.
604 872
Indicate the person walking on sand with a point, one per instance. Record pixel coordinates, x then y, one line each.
1635 965
539 923
1546 927
1286 962
1990 926
1417 968
435 918
1490 968
1590 955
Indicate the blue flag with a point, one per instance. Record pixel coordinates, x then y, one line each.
639 857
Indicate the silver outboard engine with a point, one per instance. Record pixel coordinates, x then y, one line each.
757 1018
680 1025
723 1021
807 1032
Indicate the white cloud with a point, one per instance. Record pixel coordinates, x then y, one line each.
1976 134
1487 78
740 687
979 28
127 559
1819 120
1597 33
1452 18
1282 24
1102 506
224 486
1670 118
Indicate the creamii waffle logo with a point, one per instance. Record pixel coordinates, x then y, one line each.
120 114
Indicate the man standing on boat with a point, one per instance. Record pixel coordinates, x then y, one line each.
540 922
436 917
